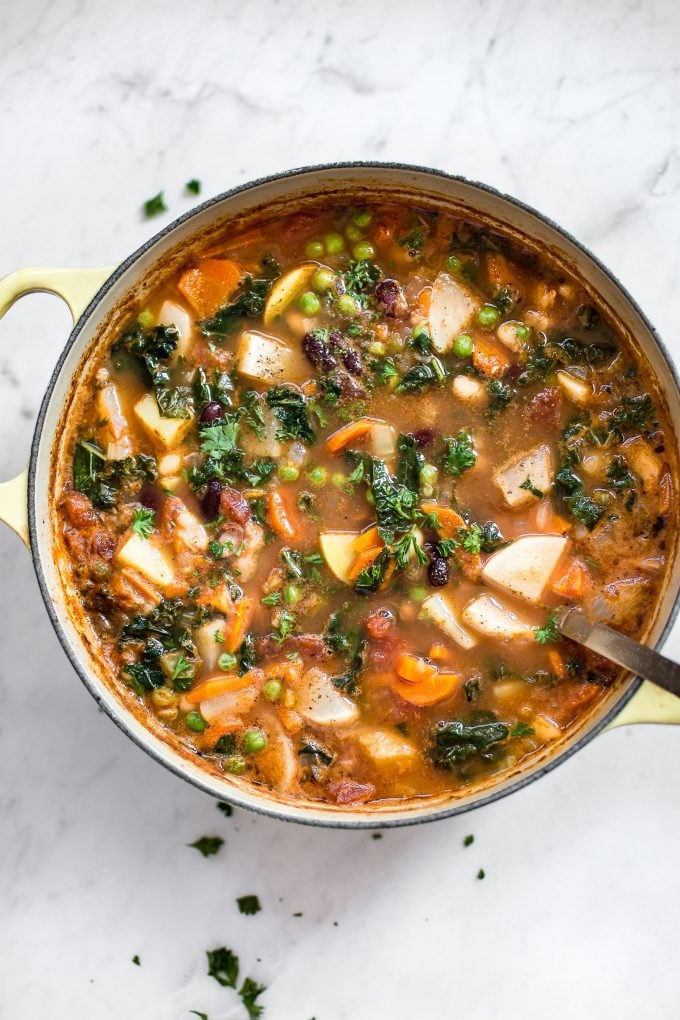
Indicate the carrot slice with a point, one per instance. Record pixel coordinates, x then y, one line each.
424 300
438 652
215 686
237 624
210 284
490 359
572 584
349 433
278 516
428 692
556 663
414 668
363 560
497 269
367 539
449 520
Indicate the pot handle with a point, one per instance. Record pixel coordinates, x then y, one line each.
76 287
649 704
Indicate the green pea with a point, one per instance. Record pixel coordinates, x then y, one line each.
236 765
317 476
227 661
453 264
309 303
146 318
353 233
428 474
334 243
272 690
322 280
291 594
463 345
363 251
418 594
362 217
522 331
339 479
346 305
254 741
314 249
195 721
376 347
289 473
488 316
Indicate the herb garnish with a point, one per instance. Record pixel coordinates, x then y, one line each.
249 904
549 631
143 521
208 845
459 453
290 407
155 206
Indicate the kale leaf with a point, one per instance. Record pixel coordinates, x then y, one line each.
290 407
409 463
455 740
432 372
100 479
248 303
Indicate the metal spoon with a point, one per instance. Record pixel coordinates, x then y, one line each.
622 650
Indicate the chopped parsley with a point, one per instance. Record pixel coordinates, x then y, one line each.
136 960
360 279
249 904
155 206
481 874
549 631
225 808
223 966
208 845
250 991
217 440
469 840
432 372
459 453
143 522
193 187
522 729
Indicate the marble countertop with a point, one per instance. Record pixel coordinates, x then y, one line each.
574 109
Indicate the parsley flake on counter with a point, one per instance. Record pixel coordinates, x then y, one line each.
154 206
193 186
226 809
249 992
208 845
469 840
136 960
223 966
201 1016
481 874
249 904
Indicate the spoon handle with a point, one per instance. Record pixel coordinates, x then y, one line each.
622 650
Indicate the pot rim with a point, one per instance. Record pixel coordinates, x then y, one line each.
291 811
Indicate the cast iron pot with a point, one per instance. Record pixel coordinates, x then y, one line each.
101 300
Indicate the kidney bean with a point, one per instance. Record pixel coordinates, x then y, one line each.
150 496
438 572
390 299
318 352
423 437
211 412
352 362
210 501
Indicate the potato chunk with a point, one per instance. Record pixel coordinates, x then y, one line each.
532 468
147 559
576 390
263 358
168 431
321 703
451 309
470 390
338 551
437 609
487 616
286 289
524 567
387 749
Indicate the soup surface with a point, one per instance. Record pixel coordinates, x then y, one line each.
332 484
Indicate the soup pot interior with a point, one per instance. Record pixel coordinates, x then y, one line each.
109 311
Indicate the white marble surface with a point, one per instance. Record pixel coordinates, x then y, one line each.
574 108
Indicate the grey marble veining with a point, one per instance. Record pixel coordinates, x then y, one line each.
572 108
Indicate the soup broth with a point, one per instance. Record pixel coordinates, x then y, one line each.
333 483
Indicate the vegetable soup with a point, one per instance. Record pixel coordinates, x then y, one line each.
332 483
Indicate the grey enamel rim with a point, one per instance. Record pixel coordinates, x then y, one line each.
90 681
